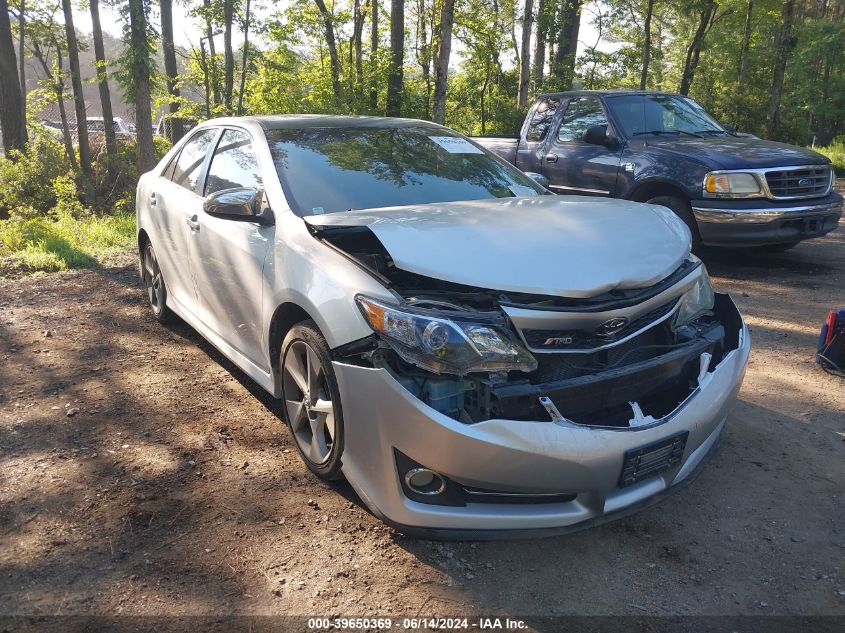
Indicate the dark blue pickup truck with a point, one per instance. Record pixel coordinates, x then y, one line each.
731 189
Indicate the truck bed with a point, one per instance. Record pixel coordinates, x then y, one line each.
504 146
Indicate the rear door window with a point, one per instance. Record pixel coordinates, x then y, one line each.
189 164
580 114
541 119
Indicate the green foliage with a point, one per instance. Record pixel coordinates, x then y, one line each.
836 153
64 241
28 177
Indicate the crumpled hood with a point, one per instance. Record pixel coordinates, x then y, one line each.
730 152
567 246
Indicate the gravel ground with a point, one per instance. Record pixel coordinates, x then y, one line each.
141 473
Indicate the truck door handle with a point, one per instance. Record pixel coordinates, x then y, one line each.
193 222
551 158
153 199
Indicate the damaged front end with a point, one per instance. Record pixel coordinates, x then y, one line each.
626 358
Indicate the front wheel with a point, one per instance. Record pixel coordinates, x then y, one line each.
312 400
154 284
683 210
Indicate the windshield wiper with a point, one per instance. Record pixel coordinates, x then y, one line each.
658 132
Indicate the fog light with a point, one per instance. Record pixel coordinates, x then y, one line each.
425 482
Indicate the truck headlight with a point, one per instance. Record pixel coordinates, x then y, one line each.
731 185
696 301
444 344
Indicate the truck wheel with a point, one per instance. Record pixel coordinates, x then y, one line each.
683 210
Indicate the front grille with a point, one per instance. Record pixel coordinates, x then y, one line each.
567 340
804 182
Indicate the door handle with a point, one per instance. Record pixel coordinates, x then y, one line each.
153 199
193 222
551 158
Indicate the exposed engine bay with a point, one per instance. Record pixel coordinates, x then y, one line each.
623 372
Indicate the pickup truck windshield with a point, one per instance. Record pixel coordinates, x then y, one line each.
329 169
661 114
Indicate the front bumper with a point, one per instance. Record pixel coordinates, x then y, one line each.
757 222
537 457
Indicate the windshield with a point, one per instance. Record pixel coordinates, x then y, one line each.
328 169
666 114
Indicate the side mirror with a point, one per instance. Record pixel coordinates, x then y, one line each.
730 129
244 205
540 179
596 135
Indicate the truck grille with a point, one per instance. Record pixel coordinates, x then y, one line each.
799 182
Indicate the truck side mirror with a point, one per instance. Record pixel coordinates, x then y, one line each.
730 129
540 179
596 135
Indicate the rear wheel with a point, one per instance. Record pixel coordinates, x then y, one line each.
154 284
312 400
683 210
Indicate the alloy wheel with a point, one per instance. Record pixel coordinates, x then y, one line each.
153 281
308 403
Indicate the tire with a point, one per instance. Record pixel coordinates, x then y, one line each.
779 248
311 400
154 285
683 210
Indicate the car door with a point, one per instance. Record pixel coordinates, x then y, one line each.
575 166
175 201
227 256
538 123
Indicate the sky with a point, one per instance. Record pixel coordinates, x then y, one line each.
186 31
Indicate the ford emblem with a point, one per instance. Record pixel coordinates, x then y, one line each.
805 182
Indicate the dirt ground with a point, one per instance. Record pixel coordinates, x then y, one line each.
141 473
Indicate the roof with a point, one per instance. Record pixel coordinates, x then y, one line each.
606 93
298 121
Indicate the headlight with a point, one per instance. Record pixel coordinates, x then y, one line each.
445 345
731 185
696 301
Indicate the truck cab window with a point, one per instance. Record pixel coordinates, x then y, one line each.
541 119
580 114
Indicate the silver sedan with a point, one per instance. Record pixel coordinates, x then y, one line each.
474 355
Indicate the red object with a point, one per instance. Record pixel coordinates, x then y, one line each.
830 322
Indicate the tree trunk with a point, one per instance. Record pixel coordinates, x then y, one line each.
205 78
540 44
141 82
103 85
708 10
646 44
59 90
742 74
228 54
357 46
244 60
397 57
525 55
212 53
373 56
441 62
785 45
170 69
78 96
21 58
12 122
567 43
334 62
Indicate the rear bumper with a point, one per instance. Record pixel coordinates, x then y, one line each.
756 222
530 457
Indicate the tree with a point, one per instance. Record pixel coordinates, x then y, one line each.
706 15
441 62
103 85
228 54
78 97
786 42
170 68
373 55
525 54
331 44
12 122
21 55
244 59
397 57
646 43
540 43
141 67
563 68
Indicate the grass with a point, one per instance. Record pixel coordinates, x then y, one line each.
836 153
64 242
